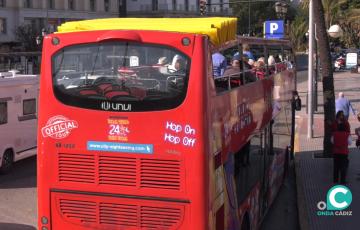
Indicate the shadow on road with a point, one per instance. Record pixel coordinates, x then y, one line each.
283 213
10 226
23 175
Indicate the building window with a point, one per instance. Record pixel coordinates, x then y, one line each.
2 3
106 5
186 5
155 6
27 3
71 4
92 5
3 113
2 25
50 4
174 5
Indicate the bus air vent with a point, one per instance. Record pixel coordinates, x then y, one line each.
102 212
119 214
76 168
160 217
117 171
160 174
78 211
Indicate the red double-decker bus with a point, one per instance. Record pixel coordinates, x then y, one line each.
149 126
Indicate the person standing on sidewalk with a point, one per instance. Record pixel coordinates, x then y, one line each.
343 104
341 139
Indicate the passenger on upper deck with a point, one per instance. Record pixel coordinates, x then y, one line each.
246 52
251 62
271 64
234 68
162 65
178 65
259 66
219 64
237 67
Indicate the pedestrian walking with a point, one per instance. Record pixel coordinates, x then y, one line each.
343 104
341 139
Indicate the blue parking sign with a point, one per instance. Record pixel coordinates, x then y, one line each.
274 29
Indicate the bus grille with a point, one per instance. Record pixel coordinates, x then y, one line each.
119 213
76 210
140 173
77 168
117 171
163 174
153 217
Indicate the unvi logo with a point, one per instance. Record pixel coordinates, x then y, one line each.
338 198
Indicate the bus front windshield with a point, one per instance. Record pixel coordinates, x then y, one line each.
120 76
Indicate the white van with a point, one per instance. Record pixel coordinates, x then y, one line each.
18 117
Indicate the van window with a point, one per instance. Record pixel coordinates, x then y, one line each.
29 110
29 106
3 113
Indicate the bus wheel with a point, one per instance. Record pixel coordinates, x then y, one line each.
245 225
7 161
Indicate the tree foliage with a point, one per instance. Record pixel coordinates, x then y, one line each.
26 35
259 13
345 13
298 28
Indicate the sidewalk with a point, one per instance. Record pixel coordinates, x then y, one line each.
314 174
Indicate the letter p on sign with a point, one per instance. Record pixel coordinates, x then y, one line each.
273 27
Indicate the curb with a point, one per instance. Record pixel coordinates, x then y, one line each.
300 194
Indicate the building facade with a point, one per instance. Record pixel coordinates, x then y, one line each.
48 14
179 8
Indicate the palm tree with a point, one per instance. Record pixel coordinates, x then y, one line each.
327 74
332 10
325 59
354 15
350 24
298 28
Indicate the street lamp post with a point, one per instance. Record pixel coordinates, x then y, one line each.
281 9
335 31
316 73
310 131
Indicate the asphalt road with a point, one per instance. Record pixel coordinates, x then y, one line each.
18 197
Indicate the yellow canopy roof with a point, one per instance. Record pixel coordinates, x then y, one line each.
219 30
